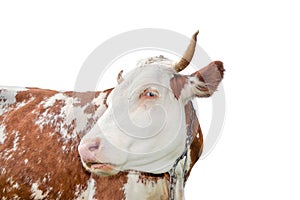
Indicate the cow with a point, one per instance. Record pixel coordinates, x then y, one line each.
109 144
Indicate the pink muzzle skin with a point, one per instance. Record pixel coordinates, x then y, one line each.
88 150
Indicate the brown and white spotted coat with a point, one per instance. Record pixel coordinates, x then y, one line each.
39 134
46 136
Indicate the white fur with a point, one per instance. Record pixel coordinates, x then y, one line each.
190 89
9 94
8 153
2 134
88 193
149 189
37 193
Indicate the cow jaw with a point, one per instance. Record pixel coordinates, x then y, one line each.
101 169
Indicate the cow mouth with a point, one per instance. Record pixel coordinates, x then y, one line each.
102 169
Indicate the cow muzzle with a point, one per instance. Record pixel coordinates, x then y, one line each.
89 151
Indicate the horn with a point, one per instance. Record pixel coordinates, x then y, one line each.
188 54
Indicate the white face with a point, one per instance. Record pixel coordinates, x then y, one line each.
144 127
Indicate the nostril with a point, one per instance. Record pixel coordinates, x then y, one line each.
89 149
94 145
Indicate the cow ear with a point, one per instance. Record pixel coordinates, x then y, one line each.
119 77
204 82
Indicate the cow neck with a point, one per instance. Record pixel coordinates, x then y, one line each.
183 156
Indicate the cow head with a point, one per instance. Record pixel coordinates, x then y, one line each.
144 126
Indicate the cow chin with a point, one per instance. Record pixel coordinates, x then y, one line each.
101 169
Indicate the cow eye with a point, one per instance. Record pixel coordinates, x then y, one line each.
149 94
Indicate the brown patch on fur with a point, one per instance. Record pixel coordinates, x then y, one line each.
108 91
90 109
144 177
177 83
55 169
41 150
197 144
110 187
83 98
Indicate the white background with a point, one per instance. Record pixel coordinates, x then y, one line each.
257 157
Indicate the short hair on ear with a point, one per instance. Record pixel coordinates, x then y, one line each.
208 78
202 83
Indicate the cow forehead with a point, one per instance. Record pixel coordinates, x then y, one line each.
157 60
152 66
150 74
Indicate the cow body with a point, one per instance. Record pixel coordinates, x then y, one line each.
39 134
123 143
